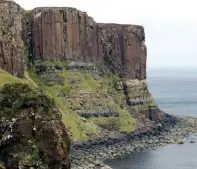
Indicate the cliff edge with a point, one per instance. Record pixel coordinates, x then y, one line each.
95 73
72 34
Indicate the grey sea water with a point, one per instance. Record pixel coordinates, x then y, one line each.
175 91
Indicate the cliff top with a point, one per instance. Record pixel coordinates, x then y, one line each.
103 25
111 25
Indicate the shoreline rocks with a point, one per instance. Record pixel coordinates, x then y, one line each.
91 154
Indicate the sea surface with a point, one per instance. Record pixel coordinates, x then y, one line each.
175 91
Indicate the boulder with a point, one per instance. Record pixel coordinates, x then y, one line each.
180 142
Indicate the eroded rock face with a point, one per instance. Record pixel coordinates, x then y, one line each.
72 34
122 48
11 44
32 133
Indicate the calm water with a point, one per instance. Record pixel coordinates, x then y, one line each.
175 91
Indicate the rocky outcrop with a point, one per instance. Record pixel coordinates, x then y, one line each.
11 44
32 134
72 34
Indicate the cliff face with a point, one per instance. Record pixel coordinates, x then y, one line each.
91 69
124 45
95 72
11 44
72 34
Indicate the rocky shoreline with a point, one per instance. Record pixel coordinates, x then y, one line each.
91 154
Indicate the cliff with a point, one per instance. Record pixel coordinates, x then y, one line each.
72 34
95 73
11 43
66 51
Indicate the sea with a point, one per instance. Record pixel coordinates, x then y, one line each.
175 91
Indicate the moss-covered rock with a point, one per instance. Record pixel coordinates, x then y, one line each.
32 133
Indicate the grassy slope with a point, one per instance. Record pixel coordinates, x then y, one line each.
5 77
84 82
80 129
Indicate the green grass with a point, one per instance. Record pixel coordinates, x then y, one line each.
111 123
76 81
125 123
79 130
146 105
8 78
128 124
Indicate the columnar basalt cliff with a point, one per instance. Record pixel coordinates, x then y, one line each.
72 34
11 44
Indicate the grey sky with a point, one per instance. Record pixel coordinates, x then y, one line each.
170 25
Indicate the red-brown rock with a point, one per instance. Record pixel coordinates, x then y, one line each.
72 34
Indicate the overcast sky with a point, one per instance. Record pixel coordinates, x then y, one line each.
170 25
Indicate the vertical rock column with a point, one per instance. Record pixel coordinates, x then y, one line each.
72 34
64 32
125 49
48 33
11 44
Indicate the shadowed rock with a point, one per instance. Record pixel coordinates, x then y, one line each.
32 133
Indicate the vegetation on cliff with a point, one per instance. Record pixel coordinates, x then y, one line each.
80 92
83 92
28 121
7 78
